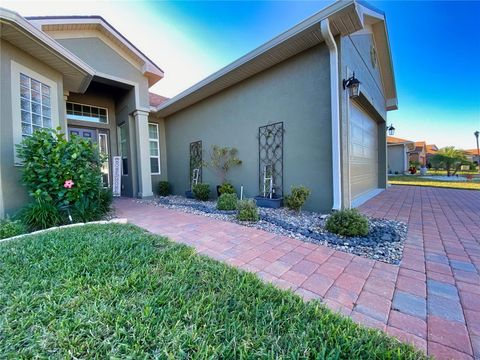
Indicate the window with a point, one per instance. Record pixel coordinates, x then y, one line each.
154 148
124 149
87 113
35 105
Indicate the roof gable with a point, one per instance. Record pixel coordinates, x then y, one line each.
376 21
63 27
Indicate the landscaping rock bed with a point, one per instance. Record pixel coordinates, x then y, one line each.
384 241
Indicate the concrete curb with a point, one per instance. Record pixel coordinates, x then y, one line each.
103 222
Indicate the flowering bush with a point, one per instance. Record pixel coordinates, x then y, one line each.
64 178
58 170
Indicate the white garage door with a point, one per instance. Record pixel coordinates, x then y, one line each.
363 153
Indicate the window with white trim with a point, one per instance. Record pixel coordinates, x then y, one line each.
76 111
154 144
124 148
35 105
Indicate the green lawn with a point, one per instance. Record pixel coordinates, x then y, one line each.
418 181
115 291
433 172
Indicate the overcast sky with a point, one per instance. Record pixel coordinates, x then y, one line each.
435 48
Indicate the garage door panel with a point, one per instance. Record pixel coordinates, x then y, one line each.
363 152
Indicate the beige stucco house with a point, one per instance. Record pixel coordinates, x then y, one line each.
79 73
419 153
473 156
398 153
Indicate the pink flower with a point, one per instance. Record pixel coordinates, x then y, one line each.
68 184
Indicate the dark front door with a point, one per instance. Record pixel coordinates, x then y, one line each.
103 143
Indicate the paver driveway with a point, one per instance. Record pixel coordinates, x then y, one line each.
432 299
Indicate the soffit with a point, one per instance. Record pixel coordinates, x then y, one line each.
17 31
343 17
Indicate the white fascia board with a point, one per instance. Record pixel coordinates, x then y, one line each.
391 104
149 66
385 58
310 22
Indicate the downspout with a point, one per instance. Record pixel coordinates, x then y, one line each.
335 110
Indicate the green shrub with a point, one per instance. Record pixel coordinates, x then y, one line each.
85 210
49 160
347 223
9 228
105 199
164 188
222 160
227 202
65 175
298 196
227 188
41 214
247 210
201 191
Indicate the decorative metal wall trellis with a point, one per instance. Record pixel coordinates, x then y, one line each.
196 159
270 156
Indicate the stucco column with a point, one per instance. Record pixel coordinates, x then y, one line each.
143 154
382 156
63 121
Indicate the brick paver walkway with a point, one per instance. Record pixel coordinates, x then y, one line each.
431 300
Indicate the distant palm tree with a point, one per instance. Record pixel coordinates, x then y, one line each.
450 159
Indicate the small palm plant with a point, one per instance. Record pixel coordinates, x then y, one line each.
450 159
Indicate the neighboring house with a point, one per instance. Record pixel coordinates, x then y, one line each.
431 151
283 104
472 155
398 152
419 154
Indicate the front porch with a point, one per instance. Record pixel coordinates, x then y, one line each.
108 115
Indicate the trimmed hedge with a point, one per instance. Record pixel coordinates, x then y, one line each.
227 188
348 222
247 210
201 191
164 188
298 196
227 202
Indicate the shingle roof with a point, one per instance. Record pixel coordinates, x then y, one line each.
432 149
471 151
396 140
420 145
156 99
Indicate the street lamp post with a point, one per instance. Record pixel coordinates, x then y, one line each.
476 133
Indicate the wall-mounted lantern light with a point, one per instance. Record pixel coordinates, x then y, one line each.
391 130
353 86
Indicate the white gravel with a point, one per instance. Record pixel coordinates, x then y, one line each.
385 241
